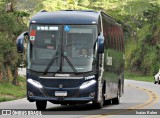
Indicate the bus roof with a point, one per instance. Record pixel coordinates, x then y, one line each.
66 17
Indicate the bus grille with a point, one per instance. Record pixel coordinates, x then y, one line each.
65 83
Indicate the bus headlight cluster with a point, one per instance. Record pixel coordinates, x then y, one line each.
35 83
87 84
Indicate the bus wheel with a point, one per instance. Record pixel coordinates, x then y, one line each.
117 99
107 102
158 80
41 105
99 105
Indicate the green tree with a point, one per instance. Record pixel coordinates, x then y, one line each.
11 26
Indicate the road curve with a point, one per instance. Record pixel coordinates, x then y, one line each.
137 95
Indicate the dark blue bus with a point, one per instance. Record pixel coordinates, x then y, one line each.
73 57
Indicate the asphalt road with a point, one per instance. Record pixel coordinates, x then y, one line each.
140 100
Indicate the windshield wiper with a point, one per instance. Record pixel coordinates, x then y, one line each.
50 63
69 62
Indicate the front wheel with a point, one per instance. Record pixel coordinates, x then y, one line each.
41 105
99 105
107 102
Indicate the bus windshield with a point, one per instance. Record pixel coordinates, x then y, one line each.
78 46
70 45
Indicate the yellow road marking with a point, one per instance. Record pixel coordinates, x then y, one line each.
153 99
150 101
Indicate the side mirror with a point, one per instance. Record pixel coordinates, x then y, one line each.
20 42
101 43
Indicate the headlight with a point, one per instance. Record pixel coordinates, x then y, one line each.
35 83
87 84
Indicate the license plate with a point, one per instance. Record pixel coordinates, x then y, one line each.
60 93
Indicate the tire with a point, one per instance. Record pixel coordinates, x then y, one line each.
117 99
158 81
99 105
41 105
107 102
155 81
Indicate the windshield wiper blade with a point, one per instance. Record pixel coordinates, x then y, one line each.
50 63
69 62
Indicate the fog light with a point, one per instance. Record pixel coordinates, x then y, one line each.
92 94
30 94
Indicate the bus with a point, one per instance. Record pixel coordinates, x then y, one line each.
73 57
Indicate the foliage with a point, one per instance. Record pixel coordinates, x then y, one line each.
11 26
142 55
152 14
138 77
29 6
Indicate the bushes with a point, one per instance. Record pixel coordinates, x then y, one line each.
143 57
11 26
130 48
148 66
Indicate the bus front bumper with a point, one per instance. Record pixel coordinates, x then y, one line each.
72 94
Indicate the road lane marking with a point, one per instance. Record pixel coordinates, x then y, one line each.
153 99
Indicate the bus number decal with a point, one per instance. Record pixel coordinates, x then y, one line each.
47 28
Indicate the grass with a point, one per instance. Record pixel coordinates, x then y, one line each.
138 77
12 92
